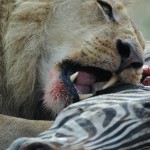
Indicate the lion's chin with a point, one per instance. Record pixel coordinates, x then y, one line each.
56 95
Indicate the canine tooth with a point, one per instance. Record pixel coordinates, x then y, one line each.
74 76
84 96
112 81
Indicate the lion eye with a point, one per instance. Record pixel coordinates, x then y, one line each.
107 9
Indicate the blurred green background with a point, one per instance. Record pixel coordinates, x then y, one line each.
140 12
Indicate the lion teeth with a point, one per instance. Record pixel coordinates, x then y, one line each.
85 96
74 76
112 81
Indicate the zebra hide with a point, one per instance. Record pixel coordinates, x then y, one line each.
117 119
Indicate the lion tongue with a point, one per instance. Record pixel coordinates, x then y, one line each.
83 82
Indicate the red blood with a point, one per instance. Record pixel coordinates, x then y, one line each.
58 91
146 81
146 70
146 73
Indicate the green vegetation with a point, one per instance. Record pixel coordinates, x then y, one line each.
140 12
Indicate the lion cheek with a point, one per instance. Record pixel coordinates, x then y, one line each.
55 94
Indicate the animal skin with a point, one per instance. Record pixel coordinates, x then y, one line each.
114 121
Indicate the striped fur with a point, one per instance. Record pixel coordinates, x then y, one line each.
118 121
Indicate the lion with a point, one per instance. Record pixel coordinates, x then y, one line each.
58 52
48 43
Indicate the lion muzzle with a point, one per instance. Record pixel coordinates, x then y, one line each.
129 56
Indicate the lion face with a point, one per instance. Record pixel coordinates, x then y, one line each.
90 43
69 48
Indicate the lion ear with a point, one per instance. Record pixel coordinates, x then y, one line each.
23 46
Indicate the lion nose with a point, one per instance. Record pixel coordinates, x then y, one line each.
129 55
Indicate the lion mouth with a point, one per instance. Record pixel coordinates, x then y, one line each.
84 81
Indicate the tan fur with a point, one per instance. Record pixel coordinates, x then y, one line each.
11 128
20 73
36 35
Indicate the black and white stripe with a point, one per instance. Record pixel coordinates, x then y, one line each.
118 121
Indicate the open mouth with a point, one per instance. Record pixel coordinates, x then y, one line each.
84 81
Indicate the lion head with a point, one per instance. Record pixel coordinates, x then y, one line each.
69 49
